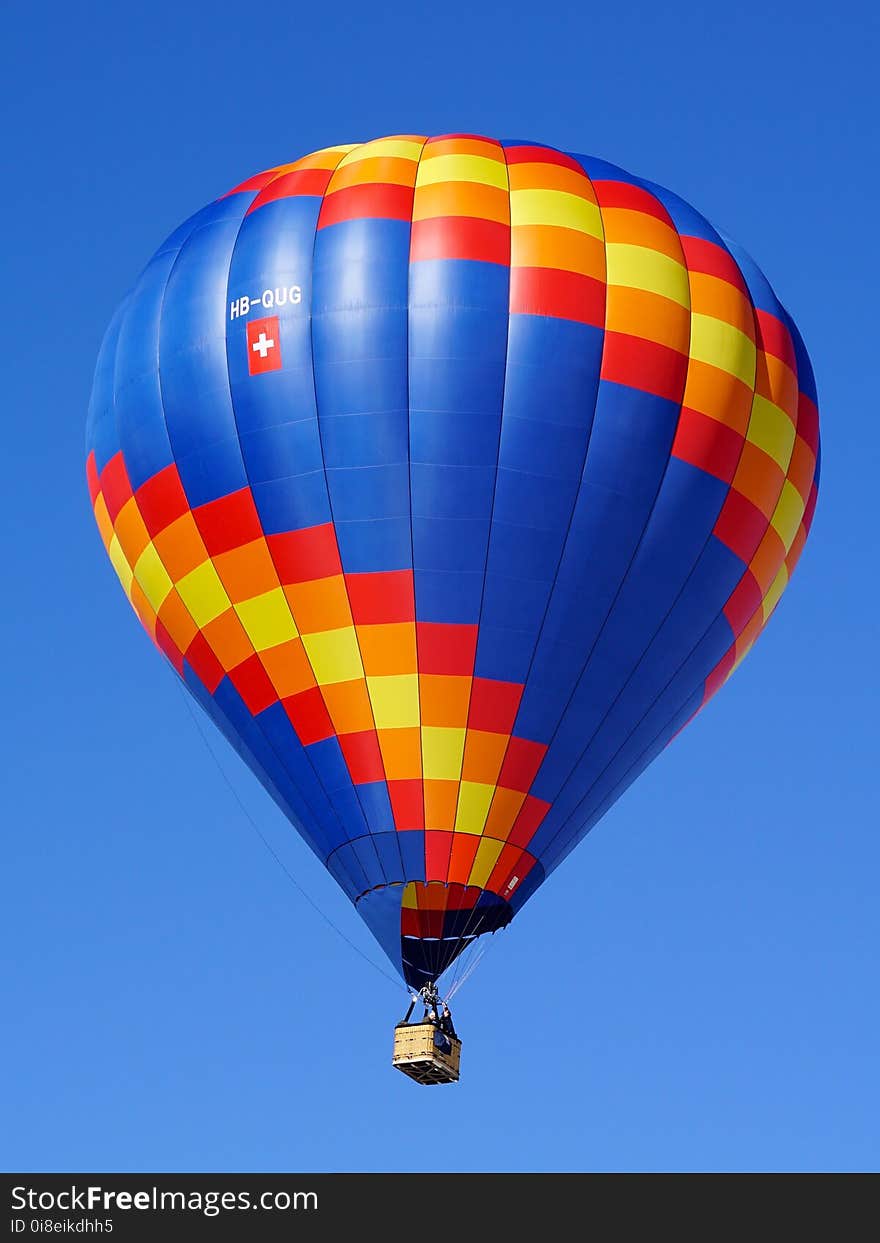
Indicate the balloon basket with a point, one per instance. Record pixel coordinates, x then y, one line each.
426 1054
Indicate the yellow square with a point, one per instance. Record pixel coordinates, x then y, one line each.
474 801
152 576
487 856
266 619
442 751
203 594
334 655
788 514
395 700
120 565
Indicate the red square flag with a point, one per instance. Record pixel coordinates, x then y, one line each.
263 345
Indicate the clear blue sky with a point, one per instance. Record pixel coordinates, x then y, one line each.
172 1003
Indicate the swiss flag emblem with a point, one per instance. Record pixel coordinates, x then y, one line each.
263 345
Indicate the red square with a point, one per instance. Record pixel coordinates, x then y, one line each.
303 555
528 821
308 716
228 522
115 485
446 647
407 803
494 705
263 345
521 763
381 597
161 499
252 683
362 755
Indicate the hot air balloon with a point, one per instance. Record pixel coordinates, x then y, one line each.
453 477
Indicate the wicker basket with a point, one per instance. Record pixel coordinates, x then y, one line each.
425 1053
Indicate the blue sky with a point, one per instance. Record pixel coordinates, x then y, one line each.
696 988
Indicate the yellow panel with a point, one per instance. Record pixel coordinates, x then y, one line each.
203 594
474 801
267 619
403 148
409 899
771 430
555 207
779 584
442 751
102 517
334 655
462 168
120 565
789 511
487 856
719 344
152 576
638 267
395 700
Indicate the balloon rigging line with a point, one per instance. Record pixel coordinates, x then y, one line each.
259 832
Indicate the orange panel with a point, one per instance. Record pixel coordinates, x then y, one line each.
552 246
131 531
176 619
388 648
528 176
227 639
461 198
288 668
348 705
636 228
712 296
321 604
719 395
246 571
461 860
444 699
758 478
640 313
441 800
394 170
181 547
503 812
483 756
463 146
768 559
401 753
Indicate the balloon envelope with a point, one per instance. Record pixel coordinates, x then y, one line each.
453 476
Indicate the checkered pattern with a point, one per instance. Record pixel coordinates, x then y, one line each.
531 470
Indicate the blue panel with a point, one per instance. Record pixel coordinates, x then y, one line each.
380 911
289 504
686 219
374 799
101 431
374 545
412 848
458 324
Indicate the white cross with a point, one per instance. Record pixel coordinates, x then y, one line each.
263 345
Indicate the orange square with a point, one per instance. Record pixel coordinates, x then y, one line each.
444 699
401 753
288 668
639 228
176 619
641 313
227 639
503 812
131 531
441 801
181 547
718 394
247 571
348 704
388 648
766 563
461 860
758 478
321 604
143 608
483 756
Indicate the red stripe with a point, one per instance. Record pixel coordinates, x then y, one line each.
162 500
776 339
204 662
362 755
634 198
302 555
531 816
644 365
381 597
565 295
521 763
808 422
377 200
460 237
251 681
740 525
713 260
305 182
719 673
253 183
228 522
535 154
707 444
115 485
438 847
446 647
166 644
92 477
743 603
